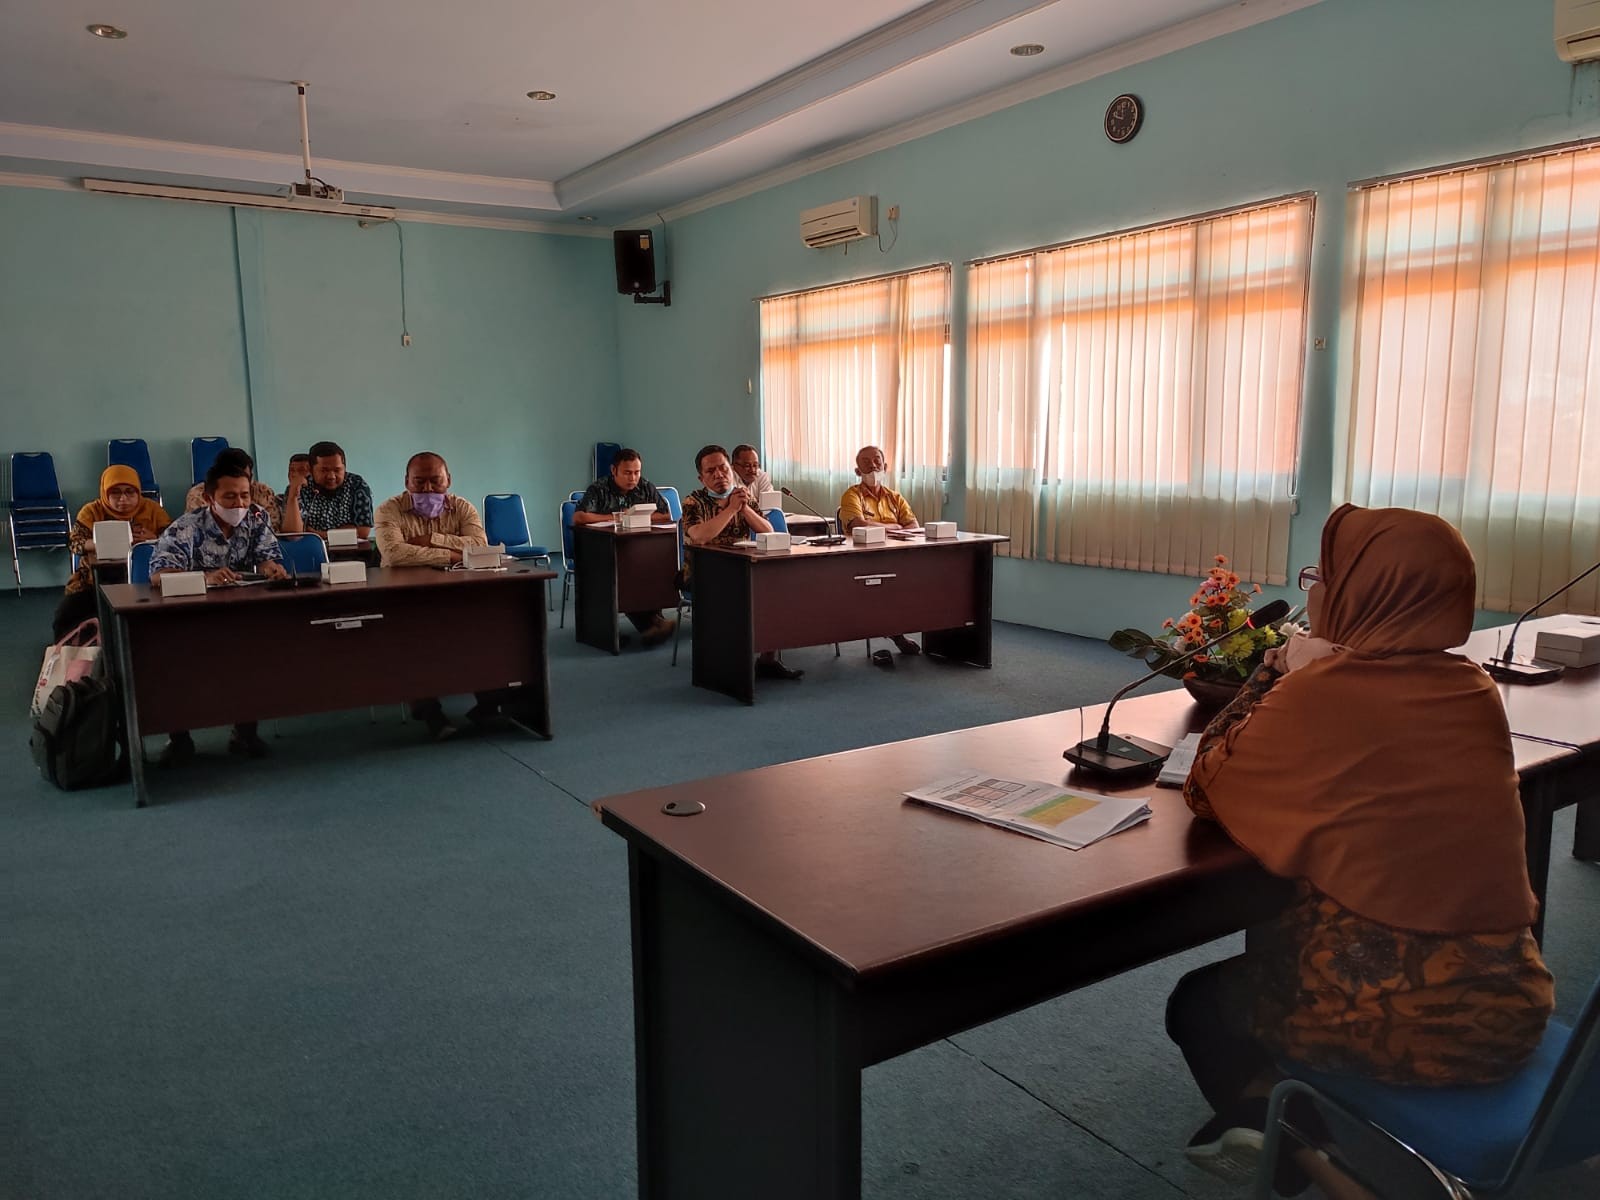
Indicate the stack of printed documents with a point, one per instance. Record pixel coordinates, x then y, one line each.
1042 810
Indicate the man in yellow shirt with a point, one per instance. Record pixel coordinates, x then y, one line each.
873 502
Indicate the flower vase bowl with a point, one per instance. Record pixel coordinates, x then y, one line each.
1211 695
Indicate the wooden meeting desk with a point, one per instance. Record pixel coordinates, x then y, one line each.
747 602
408 633
811 922
621 573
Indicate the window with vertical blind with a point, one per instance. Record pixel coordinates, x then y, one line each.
855 365
1470 363
1134 400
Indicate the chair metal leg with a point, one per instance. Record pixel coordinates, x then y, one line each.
566 582
836 649
677 632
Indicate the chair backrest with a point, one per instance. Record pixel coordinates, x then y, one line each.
777 520
505 519
577 495
139 556
568 508
600 461
303 553
203 452
132 452
33 479
674 505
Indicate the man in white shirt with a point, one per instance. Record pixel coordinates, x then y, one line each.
747 466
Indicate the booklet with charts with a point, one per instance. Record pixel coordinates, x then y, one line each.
1042 810
1176 768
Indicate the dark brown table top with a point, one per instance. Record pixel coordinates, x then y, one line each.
138 597
1567 710
849 547
609 528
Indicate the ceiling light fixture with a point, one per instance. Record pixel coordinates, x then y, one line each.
586 217
541 95
1027 49
109 32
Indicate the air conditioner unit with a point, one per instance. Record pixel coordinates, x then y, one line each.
1578 30
842 221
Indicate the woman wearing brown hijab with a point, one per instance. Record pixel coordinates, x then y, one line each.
1375 769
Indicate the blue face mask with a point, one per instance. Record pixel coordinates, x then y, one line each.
723 495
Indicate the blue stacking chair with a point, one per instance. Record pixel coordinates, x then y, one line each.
1480 1141
600 460
577 495
36 514
505 520
568 508
674 504
203 452
133 452
139 556
303 553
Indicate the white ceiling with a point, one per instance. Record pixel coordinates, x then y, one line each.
423 105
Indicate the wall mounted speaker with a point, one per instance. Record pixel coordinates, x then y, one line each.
636 261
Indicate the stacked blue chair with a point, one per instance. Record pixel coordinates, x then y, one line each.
600 460
132 452
568 508
139 556
36 514
303 553
1481 1141
505 520
203 452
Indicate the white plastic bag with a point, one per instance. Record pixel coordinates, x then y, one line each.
69 659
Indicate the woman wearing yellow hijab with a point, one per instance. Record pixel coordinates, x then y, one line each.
1374 768
120 500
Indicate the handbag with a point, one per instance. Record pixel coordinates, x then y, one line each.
67 661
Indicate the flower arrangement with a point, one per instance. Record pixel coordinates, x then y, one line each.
1220 603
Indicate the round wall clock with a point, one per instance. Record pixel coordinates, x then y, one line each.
1124 115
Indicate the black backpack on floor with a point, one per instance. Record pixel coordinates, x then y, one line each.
78 739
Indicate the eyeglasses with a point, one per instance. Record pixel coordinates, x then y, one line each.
1309 576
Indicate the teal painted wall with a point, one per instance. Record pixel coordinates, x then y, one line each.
1344 90
132 317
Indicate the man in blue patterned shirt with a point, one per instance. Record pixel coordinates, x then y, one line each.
329 497
227 537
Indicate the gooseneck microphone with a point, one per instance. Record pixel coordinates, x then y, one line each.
829 539
1108 754
1506 669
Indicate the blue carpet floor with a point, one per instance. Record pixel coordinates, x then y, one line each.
372 966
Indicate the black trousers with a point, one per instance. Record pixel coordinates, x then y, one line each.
75 608
1209 1018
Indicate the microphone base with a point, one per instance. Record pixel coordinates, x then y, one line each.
1507 671
833 539
1119 757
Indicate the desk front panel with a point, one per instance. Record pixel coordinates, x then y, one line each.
647 571
204 663
811 600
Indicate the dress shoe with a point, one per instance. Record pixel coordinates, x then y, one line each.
906 645
439 726
658 633
248 743
178 750
772 668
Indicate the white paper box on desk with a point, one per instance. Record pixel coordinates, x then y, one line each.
767 542
482 558
632 521
770 500
1573 646
940 529
111 540
182 583
342 537
869 535
344 572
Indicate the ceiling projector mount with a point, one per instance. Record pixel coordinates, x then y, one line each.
310 194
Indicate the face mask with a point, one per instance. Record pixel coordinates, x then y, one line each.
428 504
722 495
232 516
875 478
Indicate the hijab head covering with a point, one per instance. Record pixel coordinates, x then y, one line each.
1382 774
148 513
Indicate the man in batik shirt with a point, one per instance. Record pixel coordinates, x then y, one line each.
328 496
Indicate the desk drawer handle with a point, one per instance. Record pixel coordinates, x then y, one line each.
872 580
348 622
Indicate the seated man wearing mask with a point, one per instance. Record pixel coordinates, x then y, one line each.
604 499
425 526
873 502
281 519
120 500
228 537
718 513
335 498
